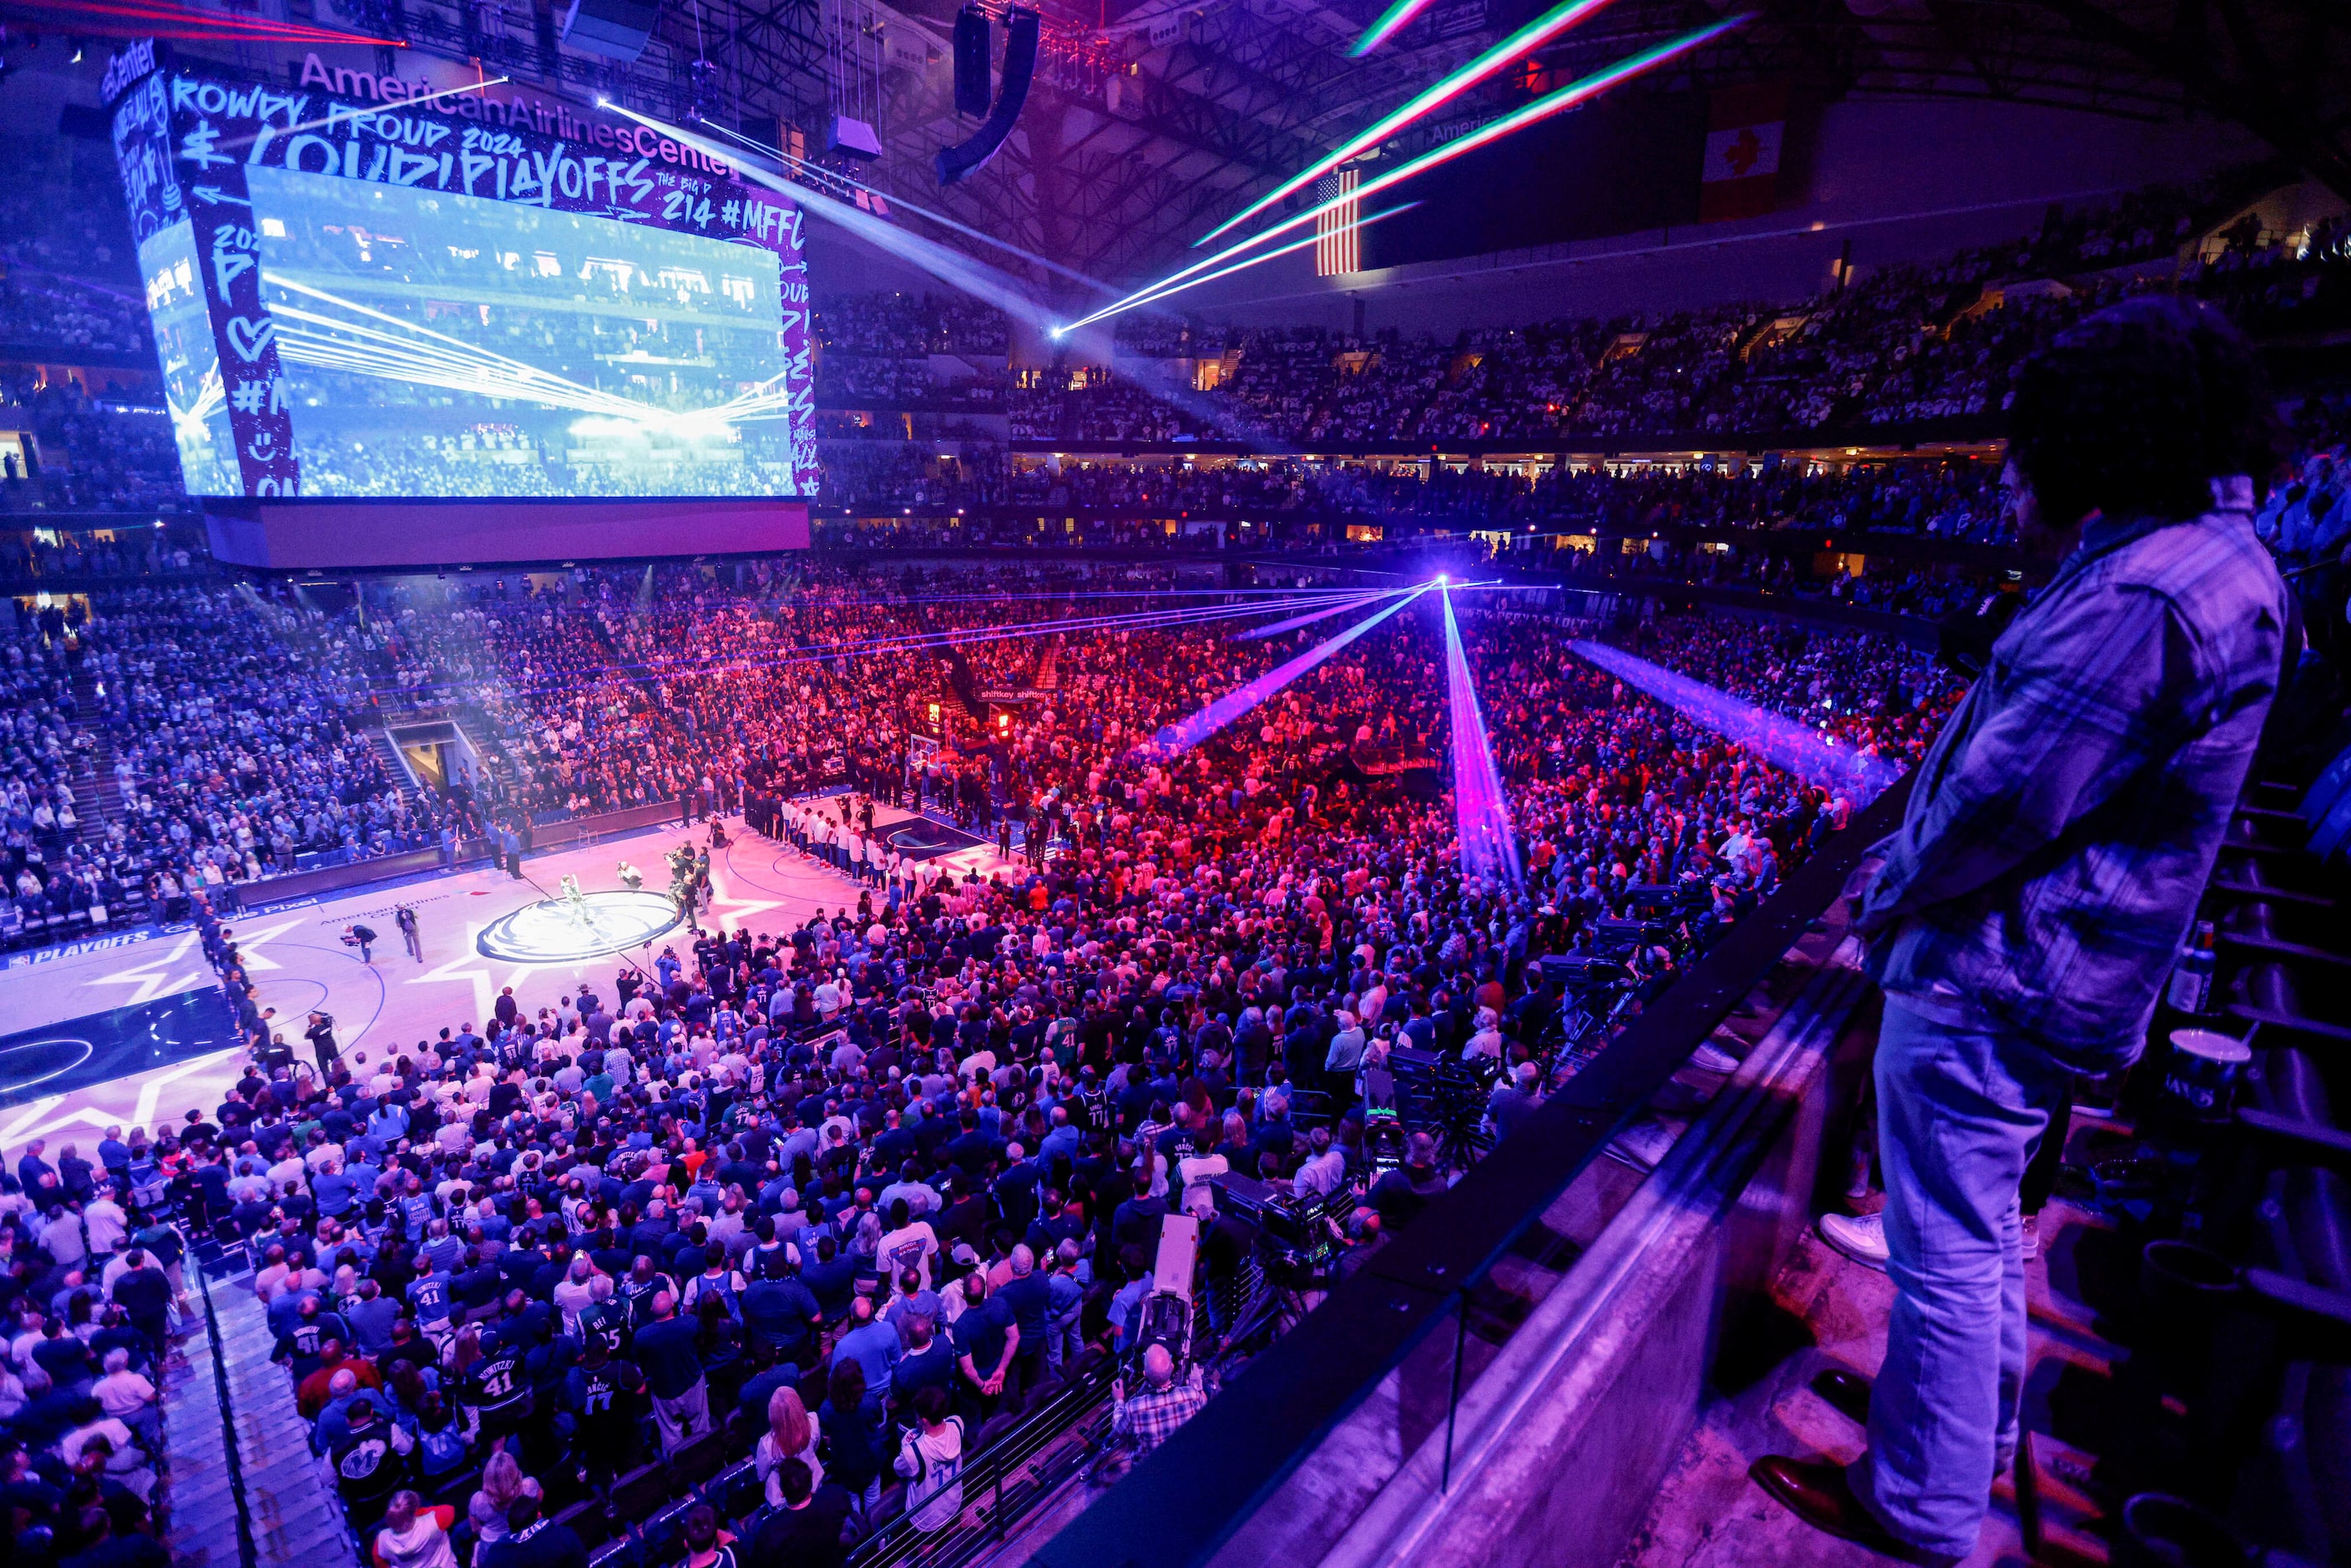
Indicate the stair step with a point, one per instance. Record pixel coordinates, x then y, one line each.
295 1517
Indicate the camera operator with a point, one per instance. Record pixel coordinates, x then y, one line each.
1515 1097
1401 1194
1161 1405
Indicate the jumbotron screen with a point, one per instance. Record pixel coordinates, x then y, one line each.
352 301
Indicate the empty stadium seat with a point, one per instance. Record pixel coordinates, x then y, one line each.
456 1491
636 1495
696 1462
586 1519
738 1492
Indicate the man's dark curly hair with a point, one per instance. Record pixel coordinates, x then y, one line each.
2132 412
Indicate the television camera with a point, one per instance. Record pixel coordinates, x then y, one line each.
1445 1096
1164 1316
1295 1236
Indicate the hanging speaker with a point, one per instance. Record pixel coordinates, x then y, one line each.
1019 64
973 88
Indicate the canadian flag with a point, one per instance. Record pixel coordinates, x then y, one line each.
1745 126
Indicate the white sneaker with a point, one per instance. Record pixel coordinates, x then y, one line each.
1711 1058
1861 1239
1643 1145
2031 1226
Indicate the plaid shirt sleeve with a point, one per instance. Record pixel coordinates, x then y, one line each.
2075 710
2063 825
1151 1417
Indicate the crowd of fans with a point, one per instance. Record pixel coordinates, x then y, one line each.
177 741
859 1188
908 327
68 273
86 454
94 1296
63 559
1902 346
847 1196
1955 499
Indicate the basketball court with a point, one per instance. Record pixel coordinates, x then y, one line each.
130 1028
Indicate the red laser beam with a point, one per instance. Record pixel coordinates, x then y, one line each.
118 19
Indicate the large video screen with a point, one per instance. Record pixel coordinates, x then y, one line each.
193 387
449 345
354 302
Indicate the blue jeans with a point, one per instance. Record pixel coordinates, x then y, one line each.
1959 1112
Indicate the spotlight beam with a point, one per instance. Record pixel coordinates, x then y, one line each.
1184 735
1311 616
950 267
1481 809
1783 742
1451 86
1294 245
1553 103
764 151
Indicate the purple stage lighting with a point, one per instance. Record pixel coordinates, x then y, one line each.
1481 812
1183 736
1782 742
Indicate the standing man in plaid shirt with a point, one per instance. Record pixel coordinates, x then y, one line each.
1152 1416
2057 840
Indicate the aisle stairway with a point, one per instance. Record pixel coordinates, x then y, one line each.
198 1485
294 1517
388 755
98 798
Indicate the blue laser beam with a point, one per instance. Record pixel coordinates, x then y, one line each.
1782 741
1185 734
1311 616
1481 811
